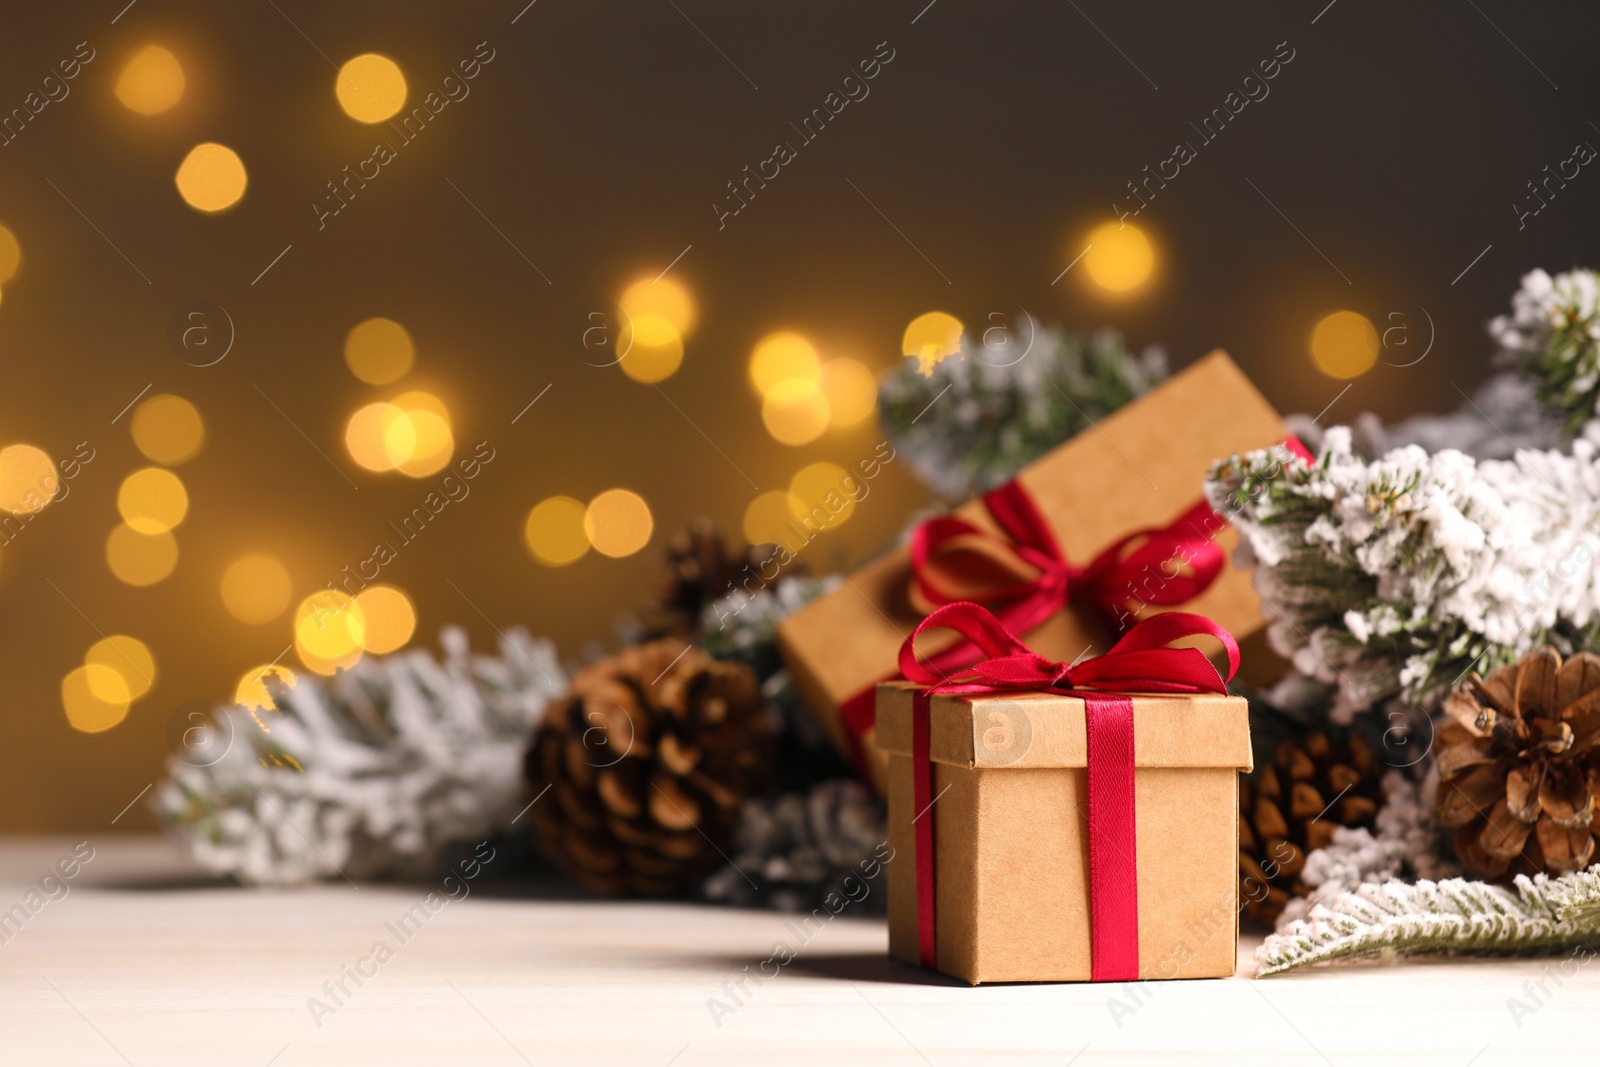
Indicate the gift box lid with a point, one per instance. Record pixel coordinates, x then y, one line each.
1025 730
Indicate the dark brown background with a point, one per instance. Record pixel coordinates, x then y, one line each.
597 140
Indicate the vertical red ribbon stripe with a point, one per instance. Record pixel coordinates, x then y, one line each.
922 823
1113 846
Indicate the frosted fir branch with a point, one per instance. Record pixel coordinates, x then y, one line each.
1553 334
1452 916
368 774
1400 574
980 415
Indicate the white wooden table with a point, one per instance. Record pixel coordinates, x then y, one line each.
146 962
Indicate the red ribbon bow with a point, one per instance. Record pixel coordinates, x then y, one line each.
1141 661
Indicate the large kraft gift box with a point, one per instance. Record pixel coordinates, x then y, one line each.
1010 834
1143 466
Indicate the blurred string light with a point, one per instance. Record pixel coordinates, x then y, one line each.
168 429
658 313
256 589
87 709
851 391
116 671
555 531
651 347
769 519
781 357
618 523
10 255
411 434
796 411
128 657
151 82
1344 344
1119 257
152 500
140 559
802 395
379 351
252 692
819 492
370 87
329 631
211 178
930 337
388 619
28 479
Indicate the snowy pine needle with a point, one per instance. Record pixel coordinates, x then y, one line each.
1401 574
1553 334
978 416
370 773
1454 916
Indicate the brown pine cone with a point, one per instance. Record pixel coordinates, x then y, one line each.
648 760
1291 807
698 568
1520 766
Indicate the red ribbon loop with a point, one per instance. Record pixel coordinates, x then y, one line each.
1141 660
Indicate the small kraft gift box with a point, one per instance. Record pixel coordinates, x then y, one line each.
1105 529
1062 823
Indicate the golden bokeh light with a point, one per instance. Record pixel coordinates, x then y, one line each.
555 532
87 710
652 347
388 618
252 691
10 255
1119 257
132 662
821 493
930 337
151 82
329 629
662 298
366 435
795 411
419 444
1344 344
379 351
211 178
618 523
370 87
780 357
256 589
140 559
168 429
769 519
152 500
851 390
28 479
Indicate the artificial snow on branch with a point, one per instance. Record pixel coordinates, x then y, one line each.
1553 334
1455 916
975 418
370 773
1400 574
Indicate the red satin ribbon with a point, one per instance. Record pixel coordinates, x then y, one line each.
1141 661
953 560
